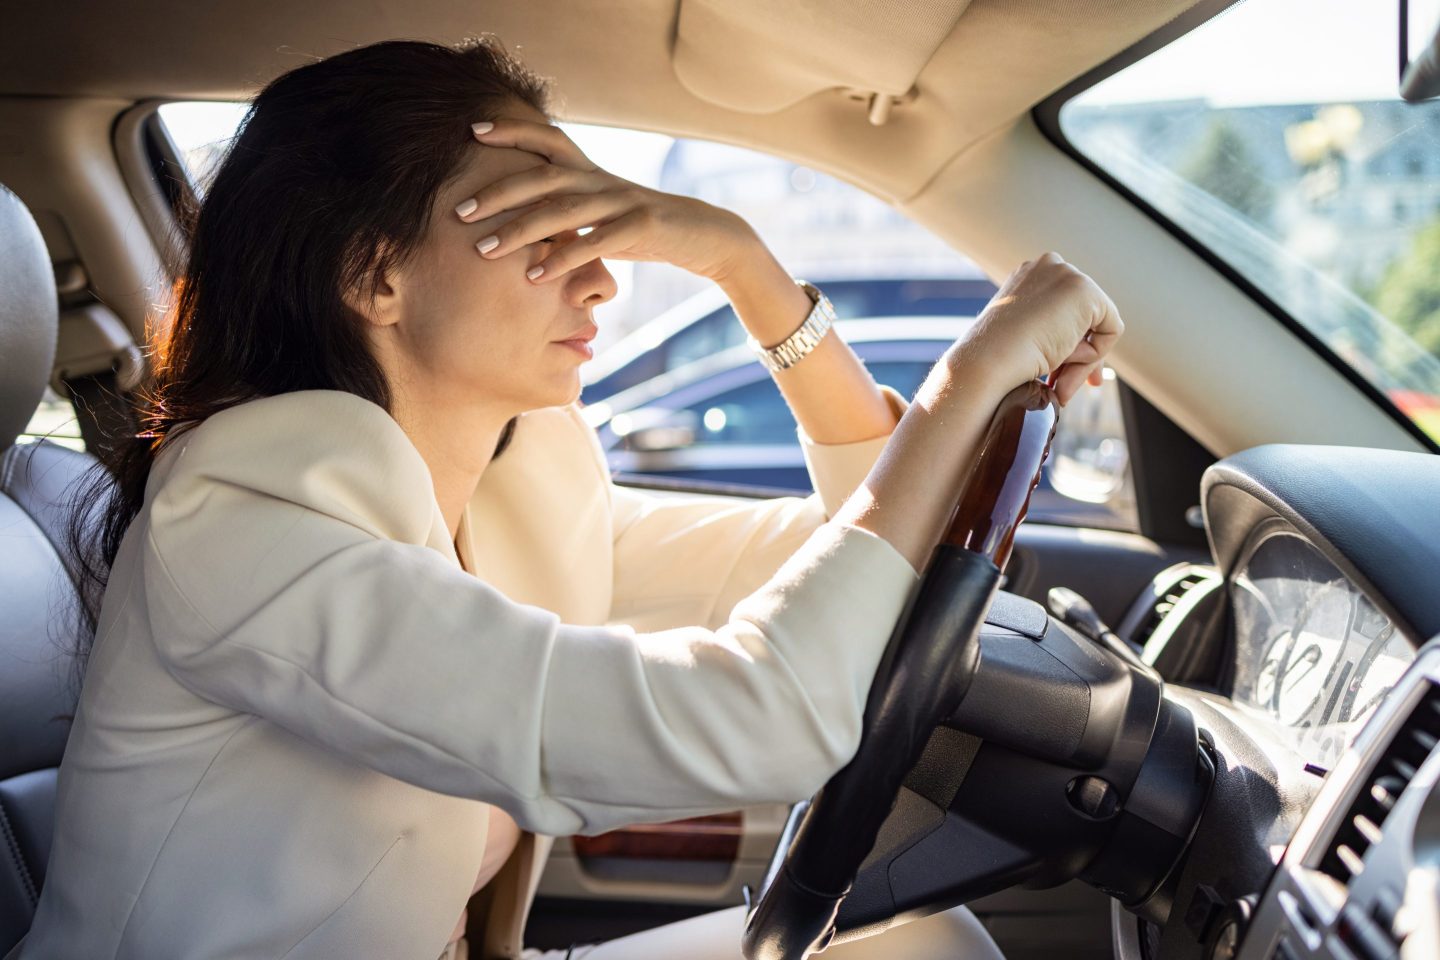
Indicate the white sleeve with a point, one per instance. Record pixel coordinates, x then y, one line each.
690 559
385 651
657 537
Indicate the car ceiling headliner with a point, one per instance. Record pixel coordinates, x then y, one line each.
665 65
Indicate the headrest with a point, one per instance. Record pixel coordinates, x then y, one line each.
29 316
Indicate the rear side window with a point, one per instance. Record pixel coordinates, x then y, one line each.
54 420
202 131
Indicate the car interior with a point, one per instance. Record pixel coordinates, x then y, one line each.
1210 732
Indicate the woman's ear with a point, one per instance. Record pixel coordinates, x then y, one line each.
380 307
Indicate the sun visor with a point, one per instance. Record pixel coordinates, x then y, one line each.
797 48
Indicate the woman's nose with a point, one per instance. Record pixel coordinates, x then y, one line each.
591 284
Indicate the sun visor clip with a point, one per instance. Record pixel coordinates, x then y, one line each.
878 105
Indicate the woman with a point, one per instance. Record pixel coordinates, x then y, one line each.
376 622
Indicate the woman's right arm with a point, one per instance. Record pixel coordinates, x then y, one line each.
1047 316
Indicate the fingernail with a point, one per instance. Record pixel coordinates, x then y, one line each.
534 272
482 128
488 244
467 207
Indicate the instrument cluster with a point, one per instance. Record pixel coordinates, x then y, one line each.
1314 656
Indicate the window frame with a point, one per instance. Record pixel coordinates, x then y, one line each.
152 169
1046 116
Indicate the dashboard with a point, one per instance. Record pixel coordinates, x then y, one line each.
1302 653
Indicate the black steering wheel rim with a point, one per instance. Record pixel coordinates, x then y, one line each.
921 679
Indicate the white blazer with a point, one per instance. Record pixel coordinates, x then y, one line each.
299 706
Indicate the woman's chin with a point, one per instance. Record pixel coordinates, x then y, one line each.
566 390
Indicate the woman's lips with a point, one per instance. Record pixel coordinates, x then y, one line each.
581 344
581 347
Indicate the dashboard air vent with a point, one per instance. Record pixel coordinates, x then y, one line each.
1412 744
1164 604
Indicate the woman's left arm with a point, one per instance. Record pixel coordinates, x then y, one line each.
690 559
831 393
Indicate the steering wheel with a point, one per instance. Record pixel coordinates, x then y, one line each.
923 676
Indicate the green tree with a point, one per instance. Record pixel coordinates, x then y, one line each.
1223 166
1409 290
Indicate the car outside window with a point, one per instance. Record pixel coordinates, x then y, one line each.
757 413
704 338
1273 135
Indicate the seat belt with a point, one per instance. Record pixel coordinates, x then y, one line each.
104 413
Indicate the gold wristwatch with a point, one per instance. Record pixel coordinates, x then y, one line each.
788 352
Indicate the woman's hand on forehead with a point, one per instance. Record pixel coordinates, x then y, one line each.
568 192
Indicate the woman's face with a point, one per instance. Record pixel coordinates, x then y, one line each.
464 329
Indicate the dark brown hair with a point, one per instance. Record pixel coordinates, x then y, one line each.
329 182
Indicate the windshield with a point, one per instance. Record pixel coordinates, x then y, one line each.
1274 136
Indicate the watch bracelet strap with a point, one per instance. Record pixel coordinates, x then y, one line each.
806 337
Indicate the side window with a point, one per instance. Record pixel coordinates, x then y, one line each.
1087 480
756 413
704 338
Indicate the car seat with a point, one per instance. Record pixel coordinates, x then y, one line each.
37 585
